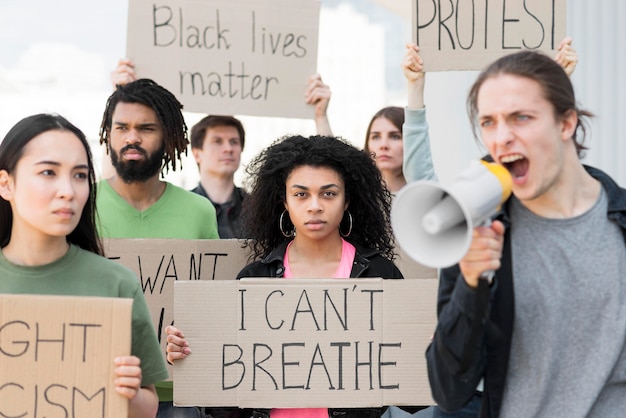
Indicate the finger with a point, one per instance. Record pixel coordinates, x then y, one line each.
127 361
172 330
128 392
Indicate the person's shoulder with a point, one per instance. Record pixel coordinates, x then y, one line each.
98 263
255 269
186 197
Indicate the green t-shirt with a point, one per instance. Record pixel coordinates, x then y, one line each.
83 273
178 214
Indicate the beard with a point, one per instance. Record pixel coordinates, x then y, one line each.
137 171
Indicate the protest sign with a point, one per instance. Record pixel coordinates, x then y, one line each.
228 57
159 263
305 342
56 355
470 34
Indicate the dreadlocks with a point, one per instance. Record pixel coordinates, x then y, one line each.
164 104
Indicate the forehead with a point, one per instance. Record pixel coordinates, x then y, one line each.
56 145
310 176
382 124
134 112
510 93
223 131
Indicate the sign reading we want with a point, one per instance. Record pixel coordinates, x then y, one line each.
250 57
470 34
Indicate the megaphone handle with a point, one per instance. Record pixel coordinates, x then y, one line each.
489 274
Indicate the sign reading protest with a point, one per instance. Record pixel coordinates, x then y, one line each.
250 57
470 34
297 343
56 355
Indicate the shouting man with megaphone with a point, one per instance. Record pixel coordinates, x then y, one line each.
558 252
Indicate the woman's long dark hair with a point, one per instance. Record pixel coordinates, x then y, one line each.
369 200
12 149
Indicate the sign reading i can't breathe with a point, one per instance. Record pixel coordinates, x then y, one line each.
470 34
250 57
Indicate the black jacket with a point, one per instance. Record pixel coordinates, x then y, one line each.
367 263
475 326
229 224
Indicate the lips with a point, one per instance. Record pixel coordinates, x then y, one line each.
133 152
517 165
64 213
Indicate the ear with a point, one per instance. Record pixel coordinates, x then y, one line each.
569 122
7 185
197 154
345 207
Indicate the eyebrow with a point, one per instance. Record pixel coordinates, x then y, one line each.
324 187
141 125
57 164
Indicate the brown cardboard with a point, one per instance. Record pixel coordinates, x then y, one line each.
250 57
56 355
469 35
159 263
223 319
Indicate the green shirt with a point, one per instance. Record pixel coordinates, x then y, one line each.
178 214
83 273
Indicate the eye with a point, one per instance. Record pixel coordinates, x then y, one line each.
299 194
523 118
396 136
374 137
486 123
47 172
329 193
120 128
81 175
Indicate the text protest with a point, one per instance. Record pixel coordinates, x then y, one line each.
56 355
228 57
470 34
305 342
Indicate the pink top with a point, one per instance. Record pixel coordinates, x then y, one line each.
343 271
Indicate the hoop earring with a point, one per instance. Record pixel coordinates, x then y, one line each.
291 233
346 234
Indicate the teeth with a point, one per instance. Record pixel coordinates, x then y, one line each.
510 158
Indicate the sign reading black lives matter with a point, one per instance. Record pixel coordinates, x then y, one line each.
299 343
250 57
470 34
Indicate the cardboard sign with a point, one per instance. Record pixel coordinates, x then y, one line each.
250 57
56 355
298 343
159 263
469 35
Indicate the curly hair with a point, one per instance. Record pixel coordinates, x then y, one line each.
167 108
369 200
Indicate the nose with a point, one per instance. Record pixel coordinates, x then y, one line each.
65 188
503 135
384 143
315 205
132 137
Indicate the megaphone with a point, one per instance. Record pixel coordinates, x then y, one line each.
433 223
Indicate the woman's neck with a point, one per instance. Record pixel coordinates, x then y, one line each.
394 180
35 253
315 258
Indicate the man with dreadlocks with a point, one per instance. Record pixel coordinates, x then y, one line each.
144 132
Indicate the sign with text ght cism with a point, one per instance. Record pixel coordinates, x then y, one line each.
243 57
299 343
57 355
